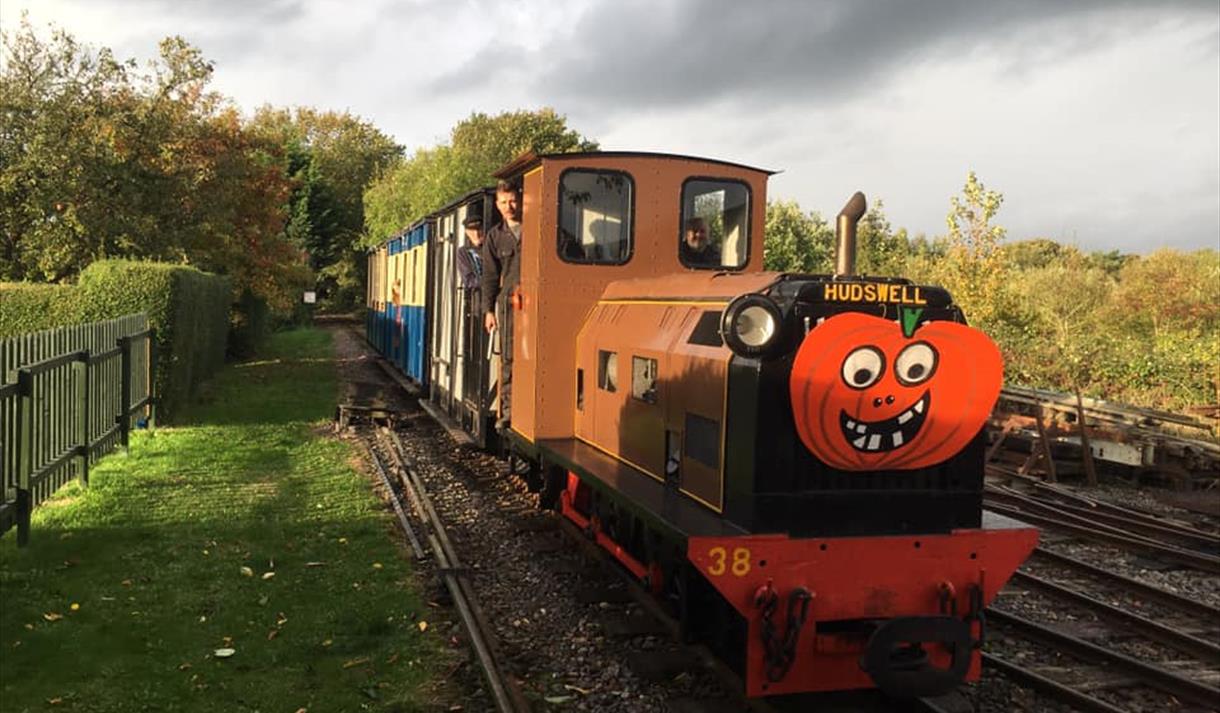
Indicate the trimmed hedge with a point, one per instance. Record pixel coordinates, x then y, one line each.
29 307
189 310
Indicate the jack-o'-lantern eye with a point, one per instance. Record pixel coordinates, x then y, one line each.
863 367
915 364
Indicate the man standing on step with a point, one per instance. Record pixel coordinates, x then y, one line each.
501 275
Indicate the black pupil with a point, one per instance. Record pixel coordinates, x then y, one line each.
861 376
915 371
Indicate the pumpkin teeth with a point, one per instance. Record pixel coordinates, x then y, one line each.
885 435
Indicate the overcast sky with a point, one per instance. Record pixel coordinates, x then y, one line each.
1098 121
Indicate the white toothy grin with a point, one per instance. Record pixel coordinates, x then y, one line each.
885 435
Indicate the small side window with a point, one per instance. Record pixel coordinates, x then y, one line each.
595 217
644 379
703 440
707 330
715 230
607 371
580 389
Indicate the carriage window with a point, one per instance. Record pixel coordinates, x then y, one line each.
644 379
715 228
595 217
607 371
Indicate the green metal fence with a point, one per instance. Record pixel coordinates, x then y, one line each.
67 397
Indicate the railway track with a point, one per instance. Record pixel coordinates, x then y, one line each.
1178 545
1094 638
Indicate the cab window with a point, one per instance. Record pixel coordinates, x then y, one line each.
715 229
595 216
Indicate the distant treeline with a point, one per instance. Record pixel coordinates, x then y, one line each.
1143 330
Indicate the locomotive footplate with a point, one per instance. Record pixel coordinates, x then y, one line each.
900 613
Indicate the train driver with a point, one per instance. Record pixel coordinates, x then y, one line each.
501 274
696 249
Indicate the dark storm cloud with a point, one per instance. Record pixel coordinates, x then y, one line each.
791 51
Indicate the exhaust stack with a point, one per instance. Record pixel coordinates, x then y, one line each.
845 234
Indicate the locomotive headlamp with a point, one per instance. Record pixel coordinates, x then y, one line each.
751 325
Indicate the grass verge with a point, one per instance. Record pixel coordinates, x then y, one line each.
246 530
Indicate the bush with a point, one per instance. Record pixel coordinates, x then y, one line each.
189 310
29 307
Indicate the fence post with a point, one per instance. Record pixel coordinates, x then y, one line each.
124 417
151 366
82 414
25 455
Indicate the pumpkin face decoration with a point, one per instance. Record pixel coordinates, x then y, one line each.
867 396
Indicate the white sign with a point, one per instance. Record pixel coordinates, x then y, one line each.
310 297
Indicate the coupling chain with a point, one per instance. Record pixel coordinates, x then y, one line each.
780 652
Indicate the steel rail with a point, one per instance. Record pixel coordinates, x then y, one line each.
1189 558
1156 631
402 517
1048 686
507 695
1192 607
1169 682
1119 516
1135 526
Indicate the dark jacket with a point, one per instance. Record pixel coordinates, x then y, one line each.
501 268
470 266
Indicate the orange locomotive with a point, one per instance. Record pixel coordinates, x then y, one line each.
793 462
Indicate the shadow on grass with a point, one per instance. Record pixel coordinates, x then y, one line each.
249 532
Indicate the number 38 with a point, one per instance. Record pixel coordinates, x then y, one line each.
739 564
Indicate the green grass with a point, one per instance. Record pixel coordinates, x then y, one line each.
130 586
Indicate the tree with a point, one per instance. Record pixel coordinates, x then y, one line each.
797 241
974 268
478 146
100 159
332 158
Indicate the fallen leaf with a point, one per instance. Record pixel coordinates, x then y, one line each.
30 627
74 607
268 575
557 699
184 667
228 641
355 662
272 634
126 583
423 626
315 564
343 540
303 710
202 619
262 601
578 689
247 572
52 616
107 599
328 642
224 653
55 701
376 565
281 619
206 553
393 658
